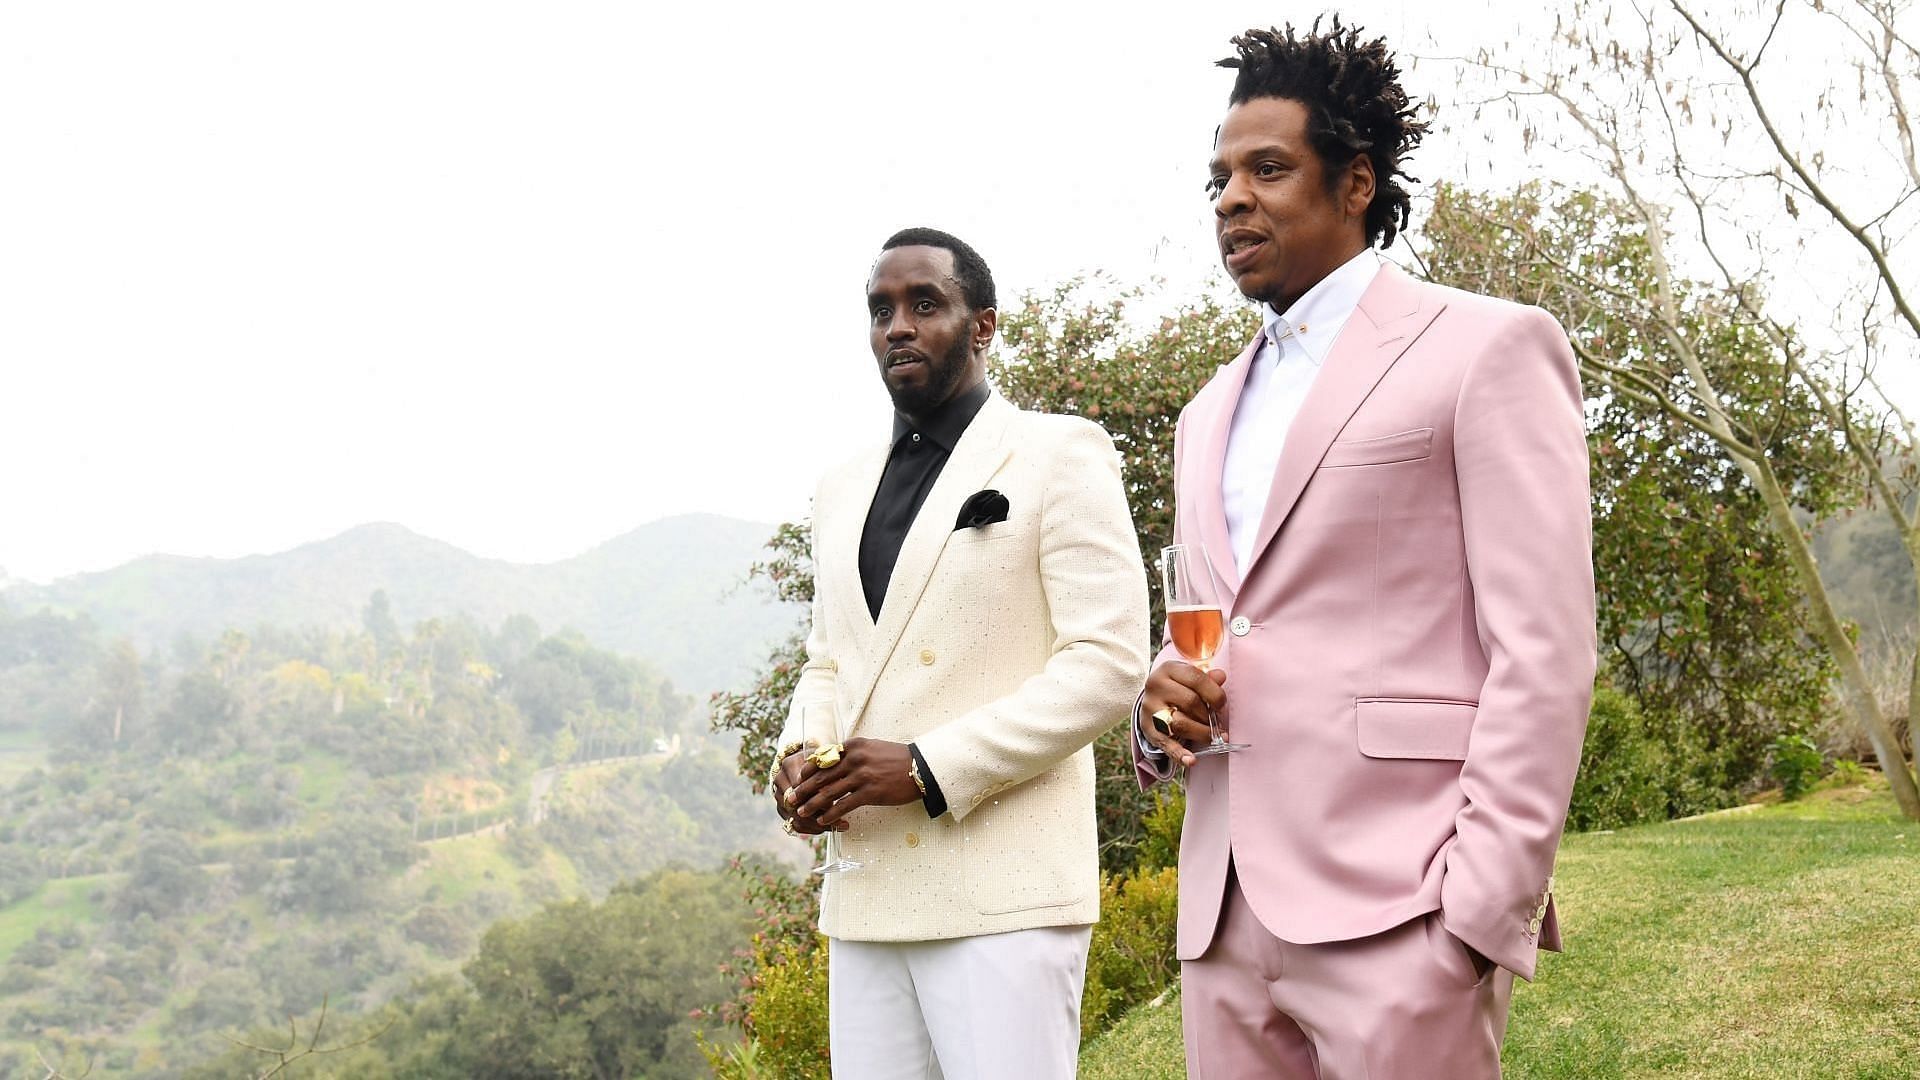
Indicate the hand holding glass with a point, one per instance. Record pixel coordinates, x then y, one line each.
1194 620
836 862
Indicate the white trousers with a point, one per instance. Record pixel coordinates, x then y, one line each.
992 1007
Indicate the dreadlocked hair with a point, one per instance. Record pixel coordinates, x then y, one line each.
1351 90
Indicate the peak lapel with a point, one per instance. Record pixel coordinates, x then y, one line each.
1211 430
1390 317
837 537
978 455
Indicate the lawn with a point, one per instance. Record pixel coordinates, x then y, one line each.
1777 941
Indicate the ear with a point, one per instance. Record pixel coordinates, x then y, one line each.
985 322
1359 186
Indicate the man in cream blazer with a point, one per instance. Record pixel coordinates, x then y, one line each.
980 615
1391 484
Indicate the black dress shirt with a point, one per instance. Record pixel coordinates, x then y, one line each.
918 455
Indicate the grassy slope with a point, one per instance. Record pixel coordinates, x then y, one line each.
1776 941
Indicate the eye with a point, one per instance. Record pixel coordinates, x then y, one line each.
881 313
1267 170
924 307
1216 185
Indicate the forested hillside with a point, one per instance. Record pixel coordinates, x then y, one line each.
198 842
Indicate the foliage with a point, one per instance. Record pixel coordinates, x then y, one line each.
1796 764
787 1021
1635 768
1699 606
1132 957
759 713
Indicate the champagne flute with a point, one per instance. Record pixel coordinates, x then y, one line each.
1194 620
811 715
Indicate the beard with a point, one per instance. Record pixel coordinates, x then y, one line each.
945 375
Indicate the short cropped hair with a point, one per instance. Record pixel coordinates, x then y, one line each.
969 269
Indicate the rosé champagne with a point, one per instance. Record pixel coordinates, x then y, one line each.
1196 632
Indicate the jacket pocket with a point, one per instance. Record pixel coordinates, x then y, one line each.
1414 728
1406 446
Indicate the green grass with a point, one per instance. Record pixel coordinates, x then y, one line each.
66 900
1777 941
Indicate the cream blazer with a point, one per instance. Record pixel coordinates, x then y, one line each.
1001 651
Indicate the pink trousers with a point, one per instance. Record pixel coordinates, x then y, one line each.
1405 1004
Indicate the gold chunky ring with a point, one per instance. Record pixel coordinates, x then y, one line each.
827 756
1163 721
790 796
788 826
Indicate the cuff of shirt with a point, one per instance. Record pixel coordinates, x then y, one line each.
935 802
1147 748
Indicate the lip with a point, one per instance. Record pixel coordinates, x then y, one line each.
1241 249
903 359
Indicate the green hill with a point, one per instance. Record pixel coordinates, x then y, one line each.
666 592
1770 941
194 846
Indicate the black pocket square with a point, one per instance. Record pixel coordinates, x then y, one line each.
982 508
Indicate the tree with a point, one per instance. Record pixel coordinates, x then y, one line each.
1698 612
1735 149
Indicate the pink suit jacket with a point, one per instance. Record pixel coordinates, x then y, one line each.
1411 653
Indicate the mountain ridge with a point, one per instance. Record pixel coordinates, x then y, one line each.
666 591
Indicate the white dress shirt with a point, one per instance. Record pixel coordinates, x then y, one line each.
1296 344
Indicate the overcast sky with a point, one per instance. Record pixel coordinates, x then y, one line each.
524 276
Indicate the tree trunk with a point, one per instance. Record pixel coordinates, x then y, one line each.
1856 688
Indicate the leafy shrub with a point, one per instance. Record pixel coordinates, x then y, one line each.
1846 773
1132 956
1626 768
1796 764
787 1021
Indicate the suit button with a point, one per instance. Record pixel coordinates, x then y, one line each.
833 665
913 839
926 657
1241 626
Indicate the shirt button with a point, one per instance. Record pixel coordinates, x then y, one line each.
913 839
916 436
1240 626
926 657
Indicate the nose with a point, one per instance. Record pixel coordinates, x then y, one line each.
900 328
1235 197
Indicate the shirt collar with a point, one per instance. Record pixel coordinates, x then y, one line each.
949 421
1316 318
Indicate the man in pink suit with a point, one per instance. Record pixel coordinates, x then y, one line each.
1390 483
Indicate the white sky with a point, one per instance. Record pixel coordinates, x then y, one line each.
524 276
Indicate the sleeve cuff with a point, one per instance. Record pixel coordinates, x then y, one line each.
1151 751
935 802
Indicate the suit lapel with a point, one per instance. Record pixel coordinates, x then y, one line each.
839 541
1389 318
1212 430
979 454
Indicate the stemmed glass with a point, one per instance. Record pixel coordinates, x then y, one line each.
836 863
1194 620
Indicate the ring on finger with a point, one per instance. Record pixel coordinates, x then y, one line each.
827 756
788 826
1163 720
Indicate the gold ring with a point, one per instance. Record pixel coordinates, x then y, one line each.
827 756
790 795
1163 720
788 826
